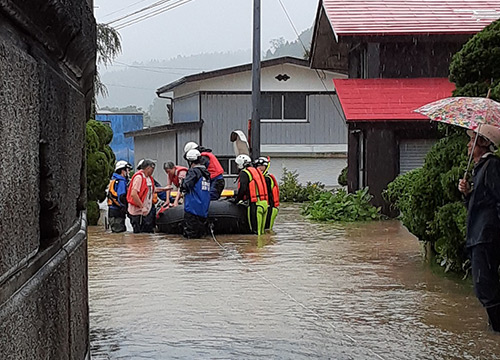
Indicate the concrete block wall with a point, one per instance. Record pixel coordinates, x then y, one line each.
47 66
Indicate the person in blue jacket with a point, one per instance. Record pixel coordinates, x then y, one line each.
117 196
196 189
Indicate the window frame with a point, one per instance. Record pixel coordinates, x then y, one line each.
230 159
283 120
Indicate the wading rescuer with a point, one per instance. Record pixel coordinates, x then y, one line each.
176 175
213 166
273 192
117 196
482 198
196 189
140 198
252 188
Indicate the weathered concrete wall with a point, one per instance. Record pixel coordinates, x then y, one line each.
47 65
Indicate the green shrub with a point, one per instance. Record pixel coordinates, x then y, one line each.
425 196
342 179
430 204
293 191
341 206
93 212
100 165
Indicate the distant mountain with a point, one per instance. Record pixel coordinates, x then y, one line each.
280 47
135 84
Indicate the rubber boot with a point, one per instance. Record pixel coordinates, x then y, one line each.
494 317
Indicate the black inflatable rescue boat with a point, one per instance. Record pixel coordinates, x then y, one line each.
226 217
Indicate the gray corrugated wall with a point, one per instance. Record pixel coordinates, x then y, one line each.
223 113
182 138
187 109
160 147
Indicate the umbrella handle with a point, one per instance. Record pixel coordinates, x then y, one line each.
471 153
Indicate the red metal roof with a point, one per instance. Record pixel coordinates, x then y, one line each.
410 17
389 99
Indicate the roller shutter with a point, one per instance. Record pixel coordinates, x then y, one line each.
412 153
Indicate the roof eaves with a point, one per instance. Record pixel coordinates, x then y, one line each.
155 130
231 70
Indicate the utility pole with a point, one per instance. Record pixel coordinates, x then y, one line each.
255 128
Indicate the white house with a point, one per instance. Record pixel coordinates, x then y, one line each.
301 123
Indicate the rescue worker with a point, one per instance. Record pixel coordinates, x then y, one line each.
273 192
252 188
482 199
196 189
176 175
140 198
213 166
117 196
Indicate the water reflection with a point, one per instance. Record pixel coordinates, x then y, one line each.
310 291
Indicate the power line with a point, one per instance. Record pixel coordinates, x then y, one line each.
340 111
161 67
130 87
125 8
153 5
151 14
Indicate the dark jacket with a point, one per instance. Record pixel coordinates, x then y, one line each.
243 189
196 187
483 203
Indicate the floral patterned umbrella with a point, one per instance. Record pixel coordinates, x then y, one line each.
467 112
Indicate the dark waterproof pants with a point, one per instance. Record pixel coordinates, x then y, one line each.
195 227
144 224
485 260
216 188
116 218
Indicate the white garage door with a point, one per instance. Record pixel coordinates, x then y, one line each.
324 170
412 153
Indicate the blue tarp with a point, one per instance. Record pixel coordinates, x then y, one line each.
121 123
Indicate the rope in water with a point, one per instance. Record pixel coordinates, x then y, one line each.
305 307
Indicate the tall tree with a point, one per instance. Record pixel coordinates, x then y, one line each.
108 48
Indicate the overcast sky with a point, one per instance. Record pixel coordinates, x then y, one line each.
201 26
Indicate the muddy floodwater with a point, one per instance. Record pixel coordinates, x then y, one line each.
310 291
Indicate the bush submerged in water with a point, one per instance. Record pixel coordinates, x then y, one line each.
323 205
341 206
293 191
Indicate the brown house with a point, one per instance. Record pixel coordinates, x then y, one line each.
402 51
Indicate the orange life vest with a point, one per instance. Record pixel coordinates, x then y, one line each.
257 185
144 188
174 179
275 190
112 195
214 167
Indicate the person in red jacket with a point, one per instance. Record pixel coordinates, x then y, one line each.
176 174
213 166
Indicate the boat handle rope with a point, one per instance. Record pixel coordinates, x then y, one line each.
305 307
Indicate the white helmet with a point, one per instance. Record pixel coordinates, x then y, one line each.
243 161
193 155
189 146
122 164
139 164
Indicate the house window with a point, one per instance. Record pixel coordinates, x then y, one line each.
229 165
284 107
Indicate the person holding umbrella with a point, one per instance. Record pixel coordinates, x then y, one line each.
482 198
481 116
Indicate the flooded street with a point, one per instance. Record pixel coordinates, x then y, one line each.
311 291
